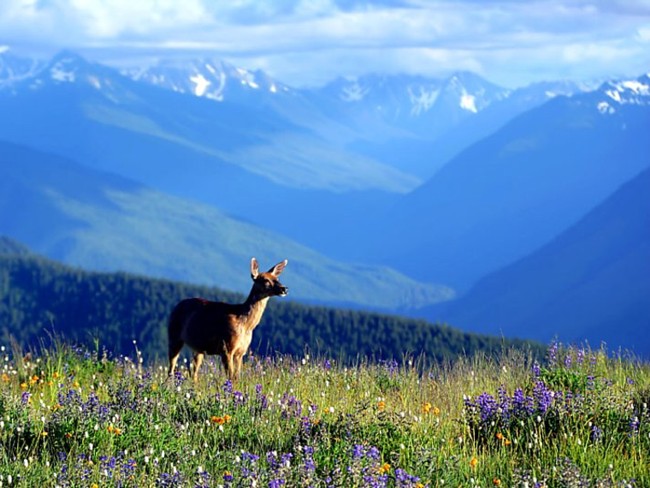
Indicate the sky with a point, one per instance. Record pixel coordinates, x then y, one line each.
310 42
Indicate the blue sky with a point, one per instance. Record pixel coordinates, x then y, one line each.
309 42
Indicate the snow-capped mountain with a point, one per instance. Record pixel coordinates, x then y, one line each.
210 78
613 94
68 68
408 98
14 69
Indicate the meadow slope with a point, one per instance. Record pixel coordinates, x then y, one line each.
73 417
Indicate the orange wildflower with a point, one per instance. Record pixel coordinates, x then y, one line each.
381 405
473 462
384 468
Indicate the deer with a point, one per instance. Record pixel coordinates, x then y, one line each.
210 327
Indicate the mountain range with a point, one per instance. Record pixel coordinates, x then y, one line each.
601 297
101 221
430 184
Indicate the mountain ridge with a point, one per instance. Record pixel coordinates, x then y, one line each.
588 283
105 222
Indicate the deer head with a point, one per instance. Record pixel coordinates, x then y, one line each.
267 284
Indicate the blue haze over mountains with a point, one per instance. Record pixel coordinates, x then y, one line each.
431 187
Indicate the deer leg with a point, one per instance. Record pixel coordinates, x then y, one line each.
237 363
174 352
228 360
198 359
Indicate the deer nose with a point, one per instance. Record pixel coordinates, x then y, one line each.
284 291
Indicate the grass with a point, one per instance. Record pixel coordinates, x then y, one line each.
70 417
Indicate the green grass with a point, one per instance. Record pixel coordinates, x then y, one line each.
70 417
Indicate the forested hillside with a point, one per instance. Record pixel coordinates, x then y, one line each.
40 298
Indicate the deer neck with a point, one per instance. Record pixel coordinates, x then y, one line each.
254 306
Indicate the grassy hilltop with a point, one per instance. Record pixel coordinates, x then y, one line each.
72 417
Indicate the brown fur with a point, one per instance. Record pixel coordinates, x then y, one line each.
222 328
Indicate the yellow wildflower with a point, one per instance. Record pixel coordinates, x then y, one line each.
384 468
426 408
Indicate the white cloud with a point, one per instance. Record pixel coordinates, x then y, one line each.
309 41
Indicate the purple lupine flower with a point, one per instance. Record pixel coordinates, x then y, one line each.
238 398
285 460
24 398
308 458
596 433
568 361
537 371
357 451
522 405
580 356
305 425
634 425
543 396
168 480
179 379
552 353
504 403
312 408
227 387
487 406
391 366
262 400
373 453
327 365
403 479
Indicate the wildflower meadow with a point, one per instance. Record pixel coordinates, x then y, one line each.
71 417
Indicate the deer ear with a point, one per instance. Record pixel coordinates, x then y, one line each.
278 268
255 268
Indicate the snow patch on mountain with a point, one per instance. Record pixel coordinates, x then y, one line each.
14 69
354 92
59 72
201 84
421 99
468 102
625 92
